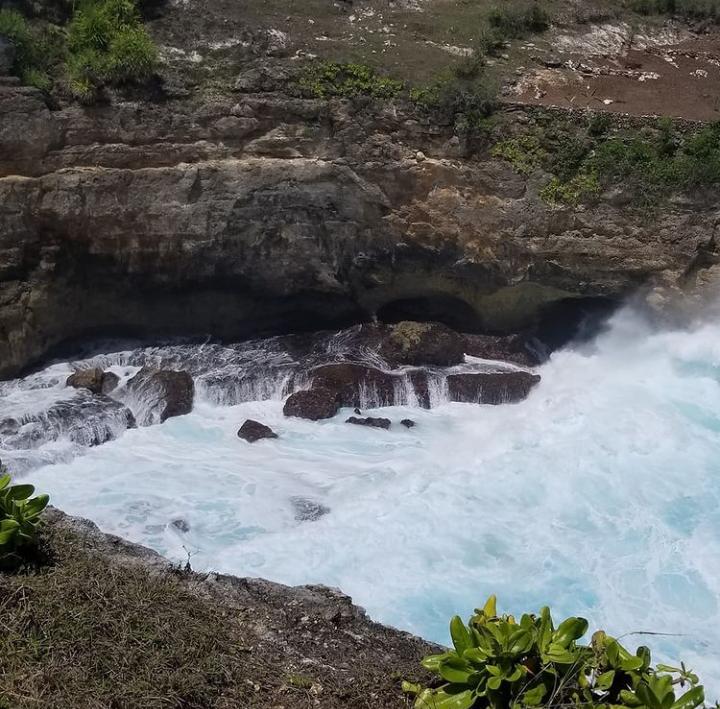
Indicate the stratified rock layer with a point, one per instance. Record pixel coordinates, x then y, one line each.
245 209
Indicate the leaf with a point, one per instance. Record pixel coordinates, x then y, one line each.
454 669
411 687
35 506
533 697
432 662
20 492
629 698
8 536
647 697
4 481
569 630
460 635
490 607
605 680
692 698
8 524
441 699
520 642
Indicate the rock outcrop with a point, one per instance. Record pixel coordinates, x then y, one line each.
491 388
417 343
314 404
160 394
95 380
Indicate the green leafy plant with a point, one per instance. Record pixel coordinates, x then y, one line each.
326 79
499 662
19 518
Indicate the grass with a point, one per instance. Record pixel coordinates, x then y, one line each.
648 163
83 633
326 79
99 628
104 43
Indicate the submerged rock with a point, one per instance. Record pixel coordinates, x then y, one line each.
182 525
371 421
94 379
161 394
314 404
416 343
252 431
308 510
491 387
408 423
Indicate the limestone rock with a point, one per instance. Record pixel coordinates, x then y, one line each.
417 343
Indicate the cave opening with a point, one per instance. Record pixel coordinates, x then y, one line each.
449 310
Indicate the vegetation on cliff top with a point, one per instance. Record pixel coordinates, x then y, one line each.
104 43
648 163
499 662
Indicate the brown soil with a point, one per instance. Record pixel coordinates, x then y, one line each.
681 80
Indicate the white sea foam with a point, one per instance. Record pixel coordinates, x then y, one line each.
599 495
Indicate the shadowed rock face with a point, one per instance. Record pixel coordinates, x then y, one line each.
491 388
163 393
236 213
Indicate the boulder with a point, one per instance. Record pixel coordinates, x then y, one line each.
356 384
314 404
110 381
369 421
509 348
161 394
252 431
91 379
491 387
418 344
408 423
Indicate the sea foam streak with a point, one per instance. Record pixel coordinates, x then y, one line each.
599 495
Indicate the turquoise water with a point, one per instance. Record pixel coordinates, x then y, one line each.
599 495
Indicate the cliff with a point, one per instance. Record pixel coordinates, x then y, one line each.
219 201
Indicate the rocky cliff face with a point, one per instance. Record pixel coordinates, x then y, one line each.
243 209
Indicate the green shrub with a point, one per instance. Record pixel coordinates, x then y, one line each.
326 79
525 152
501 663
108 44
513 22
19 518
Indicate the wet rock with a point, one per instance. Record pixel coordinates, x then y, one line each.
252 431
308 510
371 421
356 385
161 394
417 344
419 382
110 381
408 423
511 348
9 427
491 387
314 404
91 379
182 525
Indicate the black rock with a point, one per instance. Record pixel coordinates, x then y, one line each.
252 431
491 387
308 510
182 525
358 412
314 404
369 421
166 392
408 423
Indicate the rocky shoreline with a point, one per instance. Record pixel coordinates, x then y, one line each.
280 646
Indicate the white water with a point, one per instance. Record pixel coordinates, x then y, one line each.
599 495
